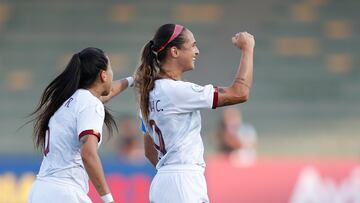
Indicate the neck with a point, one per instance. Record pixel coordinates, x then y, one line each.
171 70
96 92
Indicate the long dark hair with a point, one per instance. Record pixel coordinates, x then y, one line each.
81 72
150 63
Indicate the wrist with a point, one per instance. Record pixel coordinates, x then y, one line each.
130 81
107 198
248 49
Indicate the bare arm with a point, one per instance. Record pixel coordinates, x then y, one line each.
92 163
239 90
117 87
150 151
231 140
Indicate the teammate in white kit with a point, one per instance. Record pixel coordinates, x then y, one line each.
68 128
170 110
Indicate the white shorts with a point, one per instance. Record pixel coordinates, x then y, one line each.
179 184
43 191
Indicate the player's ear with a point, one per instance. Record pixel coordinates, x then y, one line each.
103 76
174 52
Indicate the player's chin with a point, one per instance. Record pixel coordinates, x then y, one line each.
190 68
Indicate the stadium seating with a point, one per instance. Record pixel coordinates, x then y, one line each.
306 73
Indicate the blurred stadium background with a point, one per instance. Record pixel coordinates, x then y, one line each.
304 103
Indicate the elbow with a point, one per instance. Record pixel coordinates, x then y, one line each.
242 99
239 93
242 96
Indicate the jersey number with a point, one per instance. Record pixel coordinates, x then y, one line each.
161 148
47 142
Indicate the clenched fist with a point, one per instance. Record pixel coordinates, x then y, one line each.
243 40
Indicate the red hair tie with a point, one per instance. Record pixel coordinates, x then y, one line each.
177 31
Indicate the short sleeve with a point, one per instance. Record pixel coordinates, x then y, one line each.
188 96
90 120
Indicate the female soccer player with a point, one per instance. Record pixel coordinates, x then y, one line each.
68 128
170 110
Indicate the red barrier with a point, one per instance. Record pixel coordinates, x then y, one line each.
131 189
283 180
278 180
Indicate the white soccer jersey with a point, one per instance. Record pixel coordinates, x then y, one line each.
175 121
82 114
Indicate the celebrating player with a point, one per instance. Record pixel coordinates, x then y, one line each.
170 110
68 128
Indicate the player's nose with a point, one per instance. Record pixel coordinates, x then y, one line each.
197 51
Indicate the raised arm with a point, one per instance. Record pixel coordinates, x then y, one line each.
239 90
117 87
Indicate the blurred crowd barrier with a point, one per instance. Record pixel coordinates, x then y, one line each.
129 180
270 180
283 180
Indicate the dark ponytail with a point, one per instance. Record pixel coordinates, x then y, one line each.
81 72
150 64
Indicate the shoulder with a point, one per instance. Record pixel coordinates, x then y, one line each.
85 96
173 86
86 100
